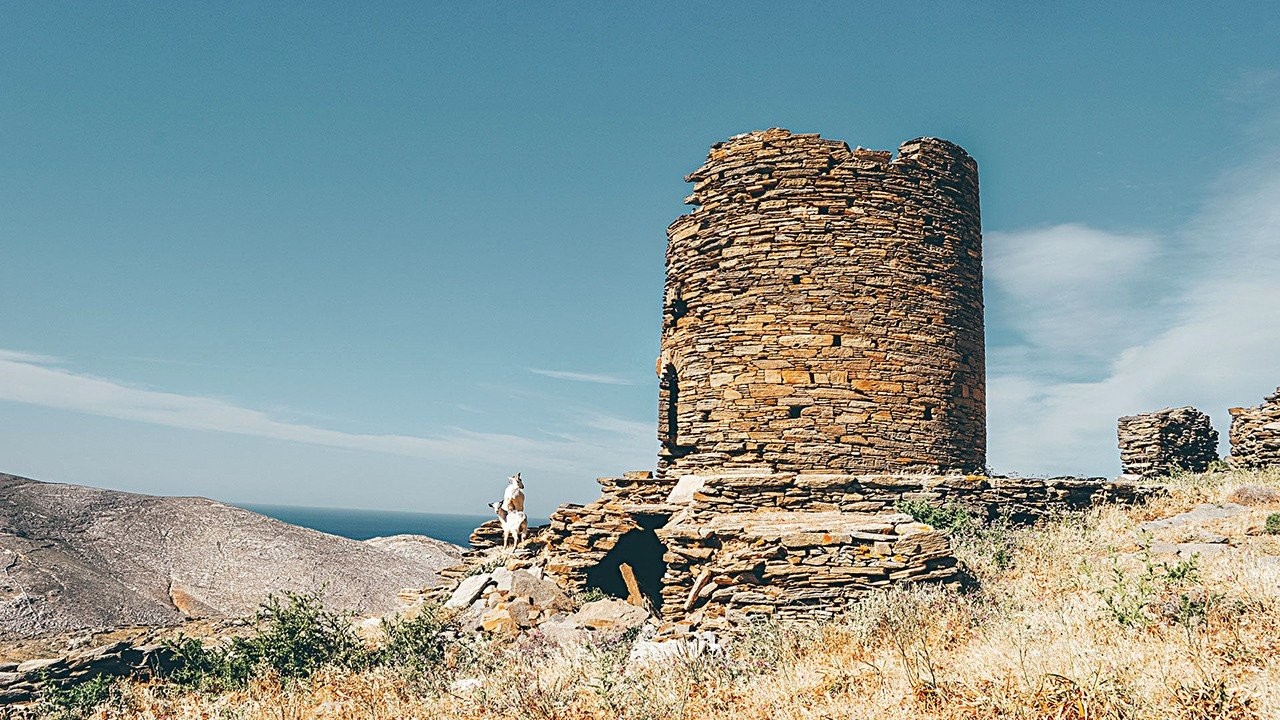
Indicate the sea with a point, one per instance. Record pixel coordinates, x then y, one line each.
365 524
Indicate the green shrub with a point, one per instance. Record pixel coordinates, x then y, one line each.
417 643
949 517
295 637
591 594
1273 523
1134 600
298 636
72 702
204 668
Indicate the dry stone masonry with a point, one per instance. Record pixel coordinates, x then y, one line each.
821 363
1255 434
1172 440
823 309
750 542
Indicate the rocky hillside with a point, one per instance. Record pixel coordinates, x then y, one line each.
74 557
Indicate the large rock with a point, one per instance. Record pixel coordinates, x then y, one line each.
78 557
542 593
609 614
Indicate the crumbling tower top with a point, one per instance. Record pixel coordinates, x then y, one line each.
823 310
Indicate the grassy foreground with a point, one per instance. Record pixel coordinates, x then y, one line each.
1082 618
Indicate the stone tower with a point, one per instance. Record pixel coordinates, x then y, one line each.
823 311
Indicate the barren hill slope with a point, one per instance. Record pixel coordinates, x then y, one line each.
74 557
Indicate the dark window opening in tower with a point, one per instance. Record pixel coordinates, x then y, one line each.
794 411
677 307
669 407
795 279
836 340
934 240
928 412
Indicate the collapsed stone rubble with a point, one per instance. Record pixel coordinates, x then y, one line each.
22 681
1160 443
1255 434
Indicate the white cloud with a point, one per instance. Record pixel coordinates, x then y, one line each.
1073 295
1202 329
30 378
26 357
596 378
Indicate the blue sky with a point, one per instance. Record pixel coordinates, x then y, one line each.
384 256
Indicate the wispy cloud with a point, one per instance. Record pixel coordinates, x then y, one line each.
26 357
1192 318
597 378
33 379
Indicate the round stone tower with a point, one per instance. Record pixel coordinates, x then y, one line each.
823 311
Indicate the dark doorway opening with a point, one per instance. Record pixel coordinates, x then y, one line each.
642 551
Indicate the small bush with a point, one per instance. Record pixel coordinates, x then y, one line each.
296 637
1157 591
299 636
950 517
1254 495
417 643
73 702
591 594
198 667
1273 524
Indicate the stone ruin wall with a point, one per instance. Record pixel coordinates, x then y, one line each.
784 545
823 309
1015 499
1168 441
1255 434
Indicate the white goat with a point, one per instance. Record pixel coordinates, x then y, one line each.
513 496
515 524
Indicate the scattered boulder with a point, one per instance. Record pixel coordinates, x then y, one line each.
609 614
1198 514
468 590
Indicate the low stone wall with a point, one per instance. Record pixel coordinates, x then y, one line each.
639 486
21 682
709 548
1020 500
1160 443
1255 434
793 565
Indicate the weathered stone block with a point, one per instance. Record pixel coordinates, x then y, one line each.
1168 441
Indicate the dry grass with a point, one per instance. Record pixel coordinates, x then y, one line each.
1074 620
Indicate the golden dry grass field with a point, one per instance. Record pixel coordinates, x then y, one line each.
1085 617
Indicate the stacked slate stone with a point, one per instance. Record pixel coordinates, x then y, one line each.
822 334
805 566
1161 443
823 309
21 682
1255 434
637 486
1019 500
725 525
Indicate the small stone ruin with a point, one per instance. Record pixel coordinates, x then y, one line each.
1160 443
822 361
712 550
1255 434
